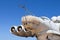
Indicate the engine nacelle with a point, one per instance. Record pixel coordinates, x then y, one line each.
12 29
19 28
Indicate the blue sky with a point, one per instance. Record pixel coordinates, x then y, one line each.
10 14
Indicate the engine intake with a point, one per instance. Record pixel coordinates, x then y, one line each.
12 29
19 28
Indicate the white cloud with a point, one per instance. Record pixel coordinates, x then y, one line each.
54 18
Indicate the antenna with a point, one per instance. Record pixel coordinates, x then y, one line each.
26 9
21 6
